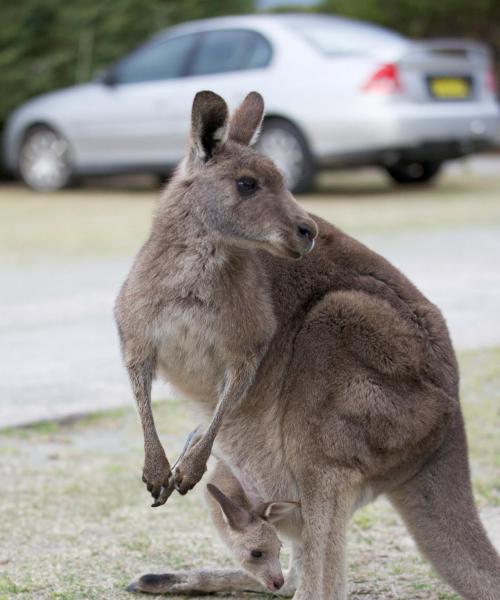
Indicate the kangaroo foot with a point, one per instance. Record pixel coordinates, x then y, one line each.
203 581
158 584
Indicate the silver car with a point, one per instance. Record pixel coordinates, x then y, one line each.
338 93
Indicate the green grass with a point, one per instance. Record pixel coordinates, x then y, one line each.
7 586
76 522
94 222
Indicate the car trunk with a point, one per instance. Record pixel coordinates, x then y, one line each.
444 71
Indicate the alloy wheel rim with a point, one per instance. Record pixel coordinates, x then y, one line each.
284 149
44 161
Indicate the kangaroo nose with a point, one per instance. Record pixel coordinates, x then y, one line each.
307 230
278 583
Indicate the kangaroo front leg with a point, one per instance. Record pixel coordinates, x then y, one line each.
202 581
156 472
192 465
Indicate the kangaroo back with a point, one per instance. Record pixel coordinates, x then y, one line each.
438 508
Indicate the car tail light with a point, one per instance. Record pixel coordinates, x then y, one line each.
491 81
385 80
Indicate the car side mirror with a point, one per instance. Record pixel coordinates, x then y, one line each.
110 78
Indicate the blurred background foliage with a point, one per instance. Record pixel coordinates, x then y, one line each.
476 19
47 44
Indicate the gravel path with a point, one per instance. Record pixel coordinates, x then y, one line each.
59 350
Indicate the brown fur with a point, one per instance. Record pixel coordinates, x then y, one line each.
330 379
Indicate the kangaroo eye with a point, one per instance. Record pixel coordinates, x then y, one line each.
246 185
257 554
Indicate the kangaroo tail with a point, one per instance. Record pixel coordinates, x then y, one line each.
438 508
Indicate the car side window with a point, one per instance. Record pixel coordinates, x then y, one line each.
230 50
156 61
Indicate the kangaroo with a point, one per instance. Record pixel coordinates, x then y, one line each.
248 531
326 377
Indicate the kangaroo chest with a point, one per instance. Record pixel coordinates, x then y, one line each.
188 355
216 313
197 345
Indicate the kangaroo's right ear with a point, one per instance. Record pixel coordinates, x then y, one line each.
236 516
209 124
247 120
275 511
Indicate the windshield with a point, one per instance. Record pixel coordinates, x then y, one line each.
334 36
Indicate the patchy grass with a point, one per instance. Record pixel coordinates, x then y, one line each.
72 224
481 392
90 223
75 520
368 203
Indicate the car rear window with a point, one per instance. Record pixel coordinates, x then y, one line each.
345 38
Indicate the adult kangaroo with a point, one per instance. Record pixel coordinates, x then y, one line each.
328 376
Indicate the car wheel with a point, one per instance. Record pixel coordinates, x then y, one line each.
285 145
408 172
44 160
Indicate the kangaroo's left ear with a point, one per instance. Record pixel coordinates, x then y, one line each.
237 517
274 511
246 121
209 124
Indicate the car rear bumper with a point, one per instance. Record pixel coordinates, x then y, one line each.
467 122
383 134
425 151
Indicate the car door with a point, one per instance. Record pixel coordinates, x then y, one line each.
136 119
230 62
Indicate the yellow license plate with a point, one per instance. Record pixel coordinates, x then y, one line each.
450 88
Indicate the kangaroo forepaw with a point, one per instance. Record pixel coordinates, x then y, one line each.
192 462
190 469
164 492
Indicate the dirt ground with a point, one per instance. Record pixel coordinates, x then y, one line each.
75 521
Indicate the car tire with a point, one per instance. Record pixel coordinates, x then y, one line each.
45 159
285 145
414 172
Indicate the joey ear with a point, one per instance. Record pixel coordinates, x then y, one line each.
246 121
209 124
236 516
274 511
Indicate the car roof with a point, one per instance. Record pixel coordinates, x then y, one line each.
289 20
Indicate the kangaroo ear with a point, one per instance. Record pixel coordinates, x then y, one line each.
246 121
209 124
236 516
274 511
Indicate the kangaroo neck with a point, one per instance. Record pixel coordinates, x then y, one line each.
196 263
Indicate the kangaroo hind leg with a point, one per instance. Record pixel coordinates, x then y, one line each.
438 508
200 581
